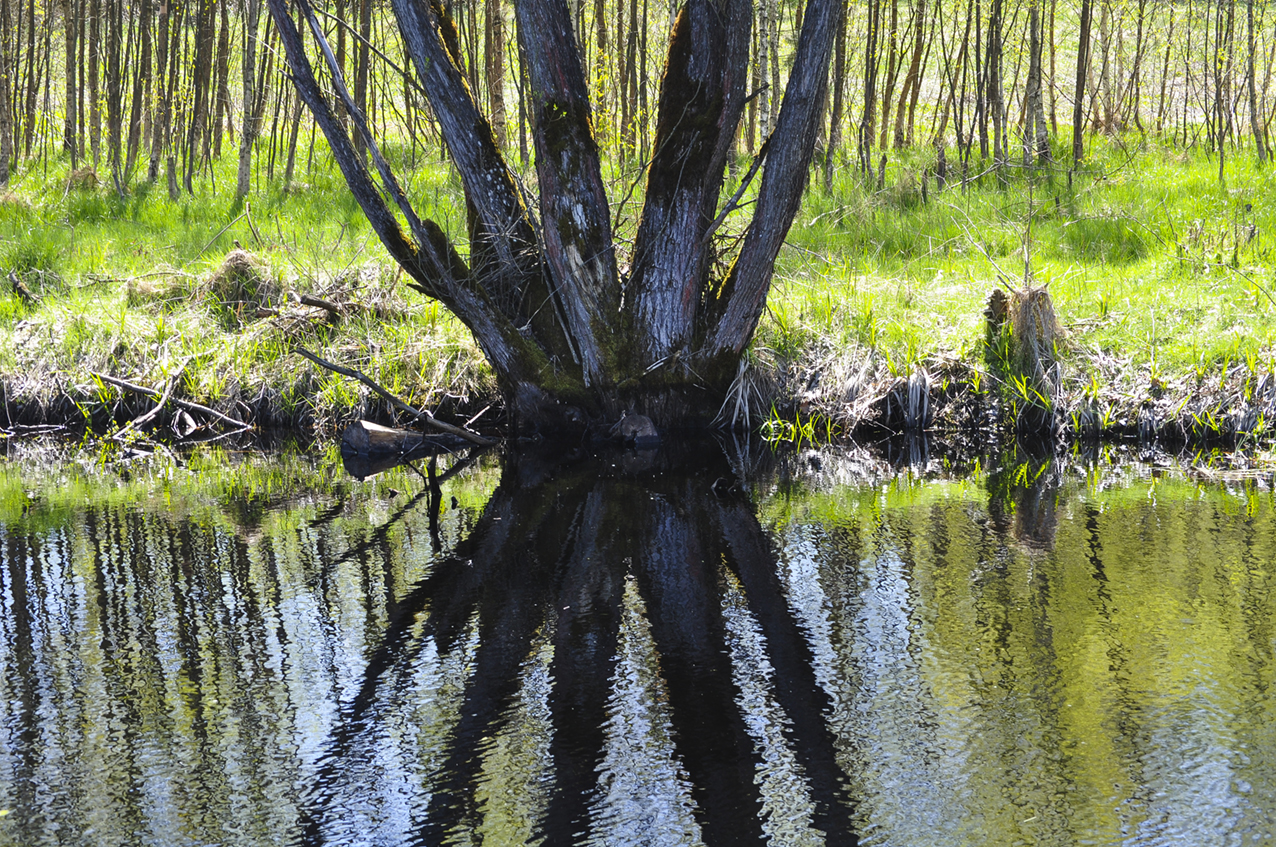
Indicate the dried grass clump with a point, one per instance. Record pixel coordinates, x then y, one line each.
163 291
1022 342
1036 332
82 179
14 201
240 285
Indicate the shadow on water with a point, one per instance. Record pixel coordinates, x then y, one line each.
678 682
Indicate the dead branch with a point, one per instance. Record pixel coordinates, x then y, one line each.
185 404
420 414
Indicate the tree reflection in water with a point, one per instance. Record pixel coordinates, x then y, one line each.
623 616
633 649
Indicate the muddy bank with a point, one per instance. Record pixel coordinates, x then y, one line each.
828 395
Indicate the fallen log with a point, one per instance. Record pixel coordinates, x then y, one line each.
365 438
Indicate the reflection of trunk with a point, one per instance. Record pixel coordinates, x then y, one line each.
553 551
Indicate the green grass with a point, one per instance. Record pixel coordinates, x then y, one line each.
1159 274
128 286
1149 261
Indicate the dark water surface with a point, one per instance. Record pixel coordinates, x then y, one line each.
680 647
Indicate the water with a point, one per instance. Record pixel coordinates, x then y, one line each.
671 648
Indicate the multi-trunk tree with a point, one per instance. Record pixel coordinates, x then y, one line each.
576 339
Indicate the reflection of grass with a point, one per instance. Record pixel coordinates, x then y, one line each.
812 430
44 486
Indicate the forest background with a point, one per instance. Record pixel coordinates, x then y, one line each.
170 215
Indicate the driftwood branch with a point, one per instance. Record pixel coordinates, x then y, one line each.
139 422
185 404
420 414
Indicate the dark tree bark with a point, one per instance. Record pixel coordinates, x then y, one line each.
572 341
6 80
72 94
1083 64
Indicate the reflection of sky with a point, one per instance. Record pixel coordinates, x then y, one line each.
975 742
643 793
786 802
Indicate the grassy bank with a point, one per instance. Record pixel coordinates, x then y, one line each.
1161 279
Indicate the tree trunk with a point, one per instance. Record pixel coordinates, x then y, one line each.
95 62
6 81
222 113
363 57
994 90
839 87
141 88
892 70
205 32
1083 64
572 342
912 77
1255 117
250 121
114 84
72 95
873 37
32 82
495 62
1036 138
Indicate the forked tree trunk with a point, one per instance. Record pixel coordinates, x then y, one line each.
574 342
